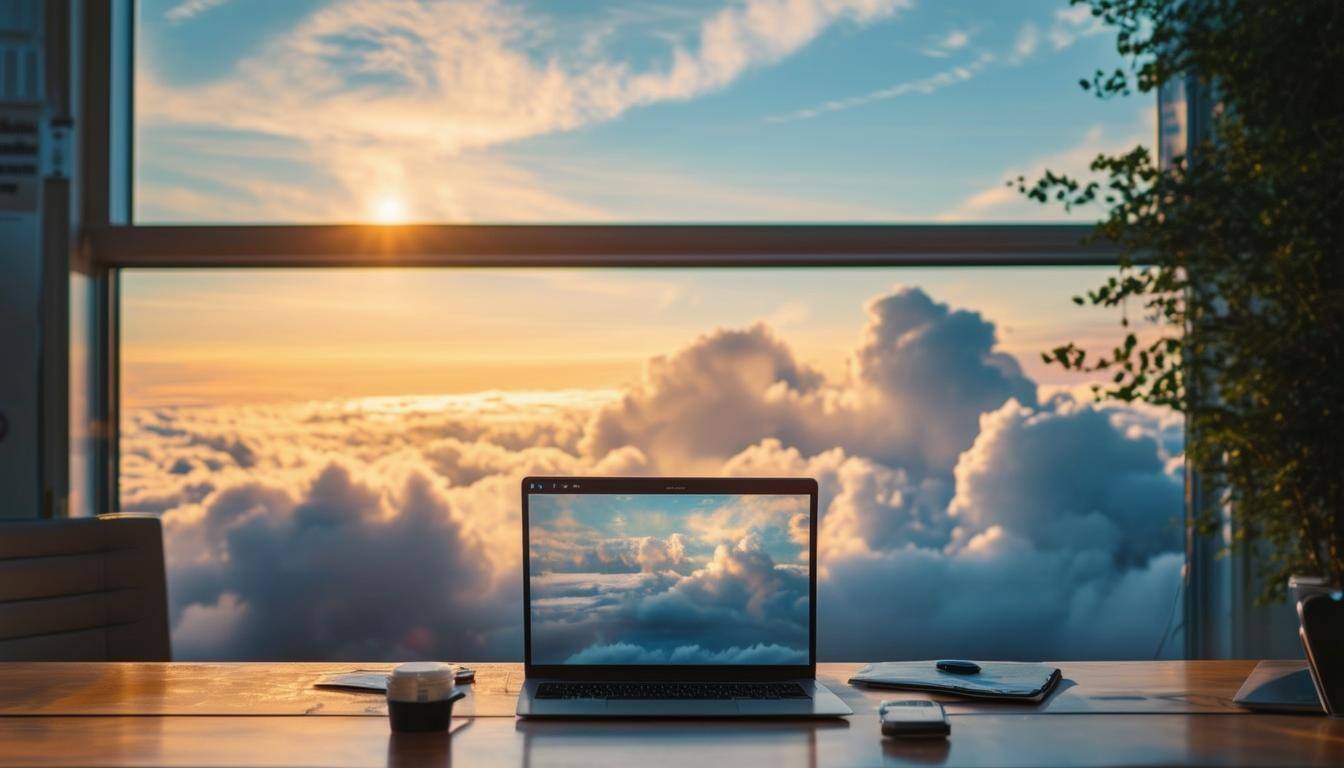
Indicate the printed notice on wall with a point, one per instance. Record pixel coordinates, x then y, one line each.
19 159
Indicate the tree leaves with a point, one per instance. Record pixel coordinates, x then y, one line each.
1233 253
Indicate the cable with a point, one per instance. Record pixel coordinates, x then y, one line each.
1171 616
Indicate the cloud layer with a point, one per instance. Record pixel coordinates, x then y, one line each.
963 512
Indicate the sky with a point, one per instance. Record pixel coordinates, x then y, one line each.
606 110
228 336
669 579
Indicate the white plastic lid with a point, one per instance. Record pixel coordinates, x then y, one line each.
420 681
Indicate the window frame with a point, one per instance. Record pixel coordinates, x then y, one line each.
598 245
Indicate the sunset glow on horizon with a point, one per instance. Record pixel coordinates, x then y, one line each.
272 335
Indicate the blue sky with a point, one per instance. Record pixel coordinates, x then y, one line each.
750 110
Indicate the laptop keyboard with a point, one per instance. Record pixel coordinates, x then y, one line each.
568 690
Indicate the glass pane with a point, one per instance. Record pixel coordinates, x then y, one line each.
336 454
611 110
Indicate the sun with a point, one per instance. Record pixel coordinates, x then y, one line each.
390 210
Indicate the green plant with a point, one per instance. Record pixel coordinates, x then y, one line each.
1234 252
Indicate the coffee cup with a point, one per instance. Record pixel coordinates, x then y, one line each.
420 696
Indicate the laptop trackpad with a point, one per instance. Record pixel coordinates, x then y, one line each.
679 708
569 707
769 707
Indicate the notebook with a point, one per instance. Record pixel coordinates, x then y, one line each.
1002 680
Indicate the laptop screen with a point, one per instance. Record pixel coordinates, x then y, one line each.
669 579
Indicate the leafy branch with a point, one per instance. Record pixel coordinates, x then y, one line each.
1232 251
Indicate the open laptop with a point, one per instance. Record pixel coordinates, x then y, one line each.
661 597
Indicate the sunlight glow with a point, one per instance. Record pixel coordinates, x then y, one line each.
390 209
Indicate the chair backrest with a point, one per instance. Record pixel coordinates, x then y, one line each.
89 589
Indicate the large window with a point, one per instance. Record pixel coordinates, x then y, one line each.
336 453
332 420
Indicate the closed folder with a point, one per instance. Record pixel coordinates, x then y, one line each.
1002 680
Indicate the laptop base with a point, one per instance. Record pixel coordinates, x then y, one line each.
821 704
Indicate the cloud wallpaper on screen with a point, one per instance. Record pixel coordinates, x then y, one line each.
964 510
669 579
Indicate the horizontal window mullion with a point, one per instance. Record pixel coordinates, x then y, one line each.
595 245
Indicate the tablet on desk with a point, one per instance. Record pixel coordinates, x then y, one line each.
1322 633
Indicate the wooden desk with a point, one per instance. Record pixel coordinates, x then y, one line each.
1105 713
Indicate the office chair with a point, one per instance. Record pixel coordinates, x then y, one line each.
89 589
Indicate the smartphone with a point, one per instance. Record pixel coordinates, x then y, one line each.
913 719
1322 633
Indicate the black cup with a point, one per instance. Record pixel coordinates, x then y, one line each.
419 716
420 697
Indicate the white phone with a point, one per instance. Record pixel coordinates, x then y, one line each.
917 719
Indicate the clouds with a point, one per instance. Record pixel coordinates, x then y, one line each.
961 512
1028 38
864 505
753 33
1025 474
347 570
576 550
1066 27
1057 536
737 603
741 580
932 369
401 100
923 85
1001 599
954 40
710 399
654 554
1073 23
190 9
919 379
627 653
